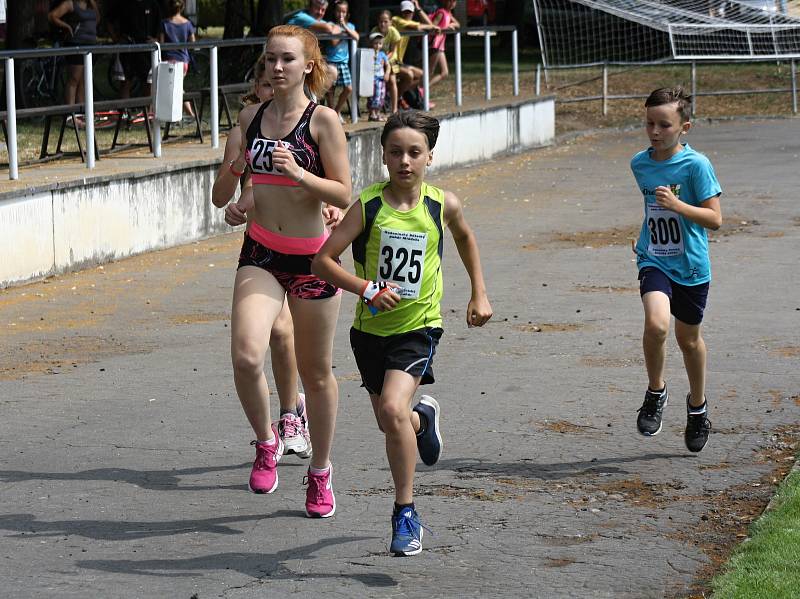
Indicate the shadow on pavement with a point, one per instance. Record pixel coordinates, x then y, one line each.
556 470
154 480
28 527
255 565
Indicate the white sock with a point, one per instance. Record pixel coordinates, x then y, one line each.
319 471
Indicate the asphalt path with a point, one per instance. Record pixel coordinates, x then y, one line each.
125 454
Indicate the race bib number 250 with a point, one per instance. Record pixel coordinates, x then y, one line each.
401 260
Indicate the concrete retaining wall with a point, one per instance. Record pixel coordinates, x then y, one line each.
88 222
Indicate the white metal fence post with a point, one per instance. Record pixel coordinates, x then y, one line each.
794 87
487 57
88 95
426 75
354 76
538 79
11 112
515 61
694 89
458 68
214 98
605 89
155 58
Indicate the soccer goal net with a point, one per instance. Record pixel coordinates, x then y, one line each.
582 32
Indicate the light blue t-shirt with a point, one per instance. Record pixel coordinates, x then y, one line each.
668 241
302 19
341 51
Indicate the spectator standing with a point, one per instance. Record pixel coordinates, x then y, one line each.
410 73
391 41
383 71
311 18
135 22
177 29
338 56
443 18
84 15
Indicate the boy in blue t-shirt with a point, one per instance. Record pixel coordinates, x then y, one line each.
338 56
681 200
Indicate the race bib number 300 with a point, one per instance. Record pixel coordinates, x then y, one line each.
664 227
401 260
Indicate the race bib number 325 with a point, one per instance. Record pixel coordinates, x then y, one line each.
664 228
401 260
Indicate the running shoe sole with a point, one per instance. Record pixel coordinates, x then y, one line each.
413 551
429 401
318 515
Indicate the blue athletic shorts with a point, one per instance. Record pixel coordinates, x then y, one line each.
686 302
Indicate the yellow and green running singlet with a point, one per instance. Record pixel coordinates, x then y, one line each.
404 248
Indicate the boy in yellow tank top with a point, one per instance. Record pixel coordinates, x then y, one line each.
396 231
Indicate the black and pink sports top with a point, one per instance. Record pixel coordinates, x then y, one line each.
299 142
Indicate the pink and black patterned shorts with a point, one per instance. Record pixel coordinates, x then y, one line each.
293 271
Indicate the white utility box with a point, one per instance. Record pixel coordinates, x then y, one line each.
366 72
169 92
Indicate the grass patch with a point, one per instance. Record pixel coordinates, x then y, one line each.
768 564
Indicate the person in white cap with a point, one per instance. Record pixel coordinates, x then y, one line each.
410 73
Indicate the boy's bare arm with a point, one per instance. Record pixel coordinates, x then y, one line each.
479 310
326 267
708 214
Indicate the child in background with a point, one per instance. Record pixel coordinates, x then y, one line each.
397 230
443 18
382 73
177 29
338 56
391 41
681 200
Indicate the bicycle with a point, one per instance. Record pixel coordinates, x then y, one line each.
42 81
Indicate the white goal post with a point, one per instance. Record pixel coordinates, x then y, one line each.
582 32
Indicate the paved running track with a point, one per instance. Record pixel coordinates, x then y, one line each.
125 453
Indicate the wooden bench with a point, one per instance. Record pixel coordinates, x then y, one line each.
69 115
224 91
64 112
192 98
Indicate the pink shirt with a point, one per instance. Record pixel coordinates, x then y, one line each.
446 18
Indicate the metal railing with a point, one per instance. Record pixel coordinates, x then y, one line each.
155 49
605 97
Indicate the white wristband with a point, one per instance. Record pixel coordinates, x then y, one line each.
371 290
302 174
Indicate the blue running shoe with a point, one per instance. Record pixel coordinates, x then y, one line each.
406 533
429 439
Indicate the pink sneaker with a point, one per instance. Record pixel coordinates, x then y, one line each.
320 502
264 477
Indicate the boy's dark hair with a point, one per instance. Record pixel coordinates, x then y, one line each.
413 119
671 95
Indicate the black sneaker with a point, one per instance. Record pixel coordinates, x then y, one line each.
649 420
698 427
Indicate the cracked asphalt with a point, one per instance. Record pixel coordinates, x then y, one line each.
125 453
